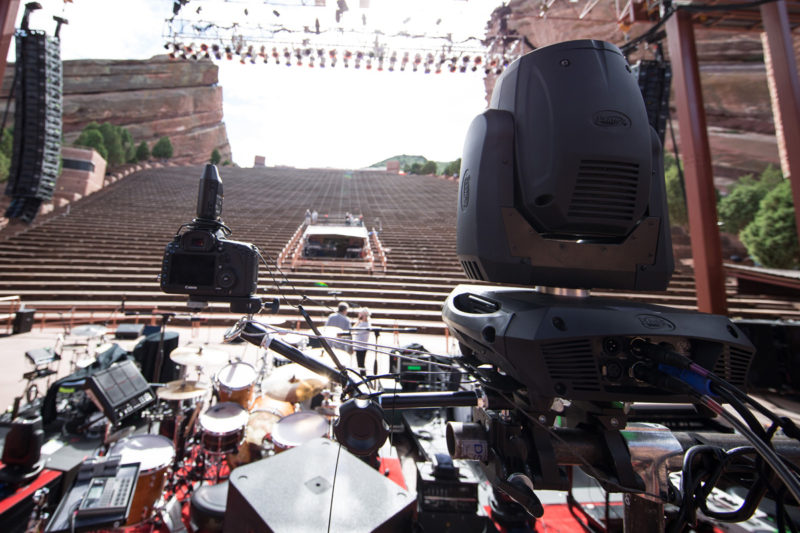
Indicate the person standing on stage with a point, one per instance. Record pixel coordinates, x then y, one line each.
340 320
361 336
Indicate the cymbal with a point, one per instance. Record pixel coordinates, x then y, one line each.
181 390
198 356
89 330
293 383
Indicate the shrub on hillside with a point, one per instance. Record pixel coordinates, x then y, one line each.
92 138
6 146
163 148
676 197
739 207
428 168
453 168
771 238
113 143
142 152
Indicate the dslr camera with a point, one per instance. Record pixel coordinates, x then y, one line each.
202 262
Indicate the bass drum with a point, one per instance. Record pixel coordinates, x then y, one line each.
154 453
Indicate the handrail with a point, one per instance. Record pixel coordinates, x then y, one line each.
14 303
292 242
379 246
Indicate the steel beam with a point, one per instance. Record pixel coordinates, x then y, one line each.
784 90
696 157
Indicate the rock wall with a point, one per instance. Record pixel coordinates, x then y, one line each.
733 76
152 98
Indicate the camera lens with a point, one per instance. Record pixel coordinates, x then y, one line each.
226 279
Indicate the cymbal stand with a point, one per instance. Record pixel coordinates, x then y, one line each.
267 363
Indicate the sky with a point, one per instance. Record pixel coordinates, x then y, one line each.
300 116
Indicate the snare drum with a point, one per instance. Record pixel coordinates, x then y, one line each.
265 414
222 427
154 454
236 383
297 429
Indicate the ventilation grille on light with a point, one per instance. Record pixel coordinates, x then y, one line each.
472 270
732 366
572 363
605 189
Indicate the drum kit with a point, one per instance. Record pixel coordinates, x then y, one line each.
212 422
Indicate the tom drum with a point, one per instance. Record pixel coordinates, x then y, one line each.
222 427
236 383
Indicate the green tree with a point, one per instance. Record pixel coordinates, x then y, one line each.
739 207
428 168
6 147
771 238
92 138
163 148
453 168
7 144
676 200
113 142
142 152
415 168
216 157
128 146
5 164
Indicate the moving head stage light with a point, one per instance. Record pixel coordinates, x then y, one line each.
562 186
562 179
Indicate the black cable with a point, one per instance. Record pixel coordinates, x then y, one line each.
662 354
762 448
697 484
628 47
743 411
275 281
303 297
688 486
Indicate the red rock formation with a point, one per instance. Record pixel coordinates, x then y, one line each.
153 98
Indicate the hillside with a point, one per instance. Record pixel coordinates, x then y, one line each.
410 160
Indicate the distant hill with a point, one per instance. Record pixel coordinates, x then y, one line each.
410 160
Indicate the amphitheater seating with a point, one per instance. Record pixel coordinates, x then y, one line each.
80 265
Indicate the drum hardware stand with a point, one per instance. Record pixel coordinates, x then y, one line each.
165 317
267 363
377 332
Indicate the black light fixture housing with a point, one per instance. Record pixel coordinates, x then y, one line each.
562 178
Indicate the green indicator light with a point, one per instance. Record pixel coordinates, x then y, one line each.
415 367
